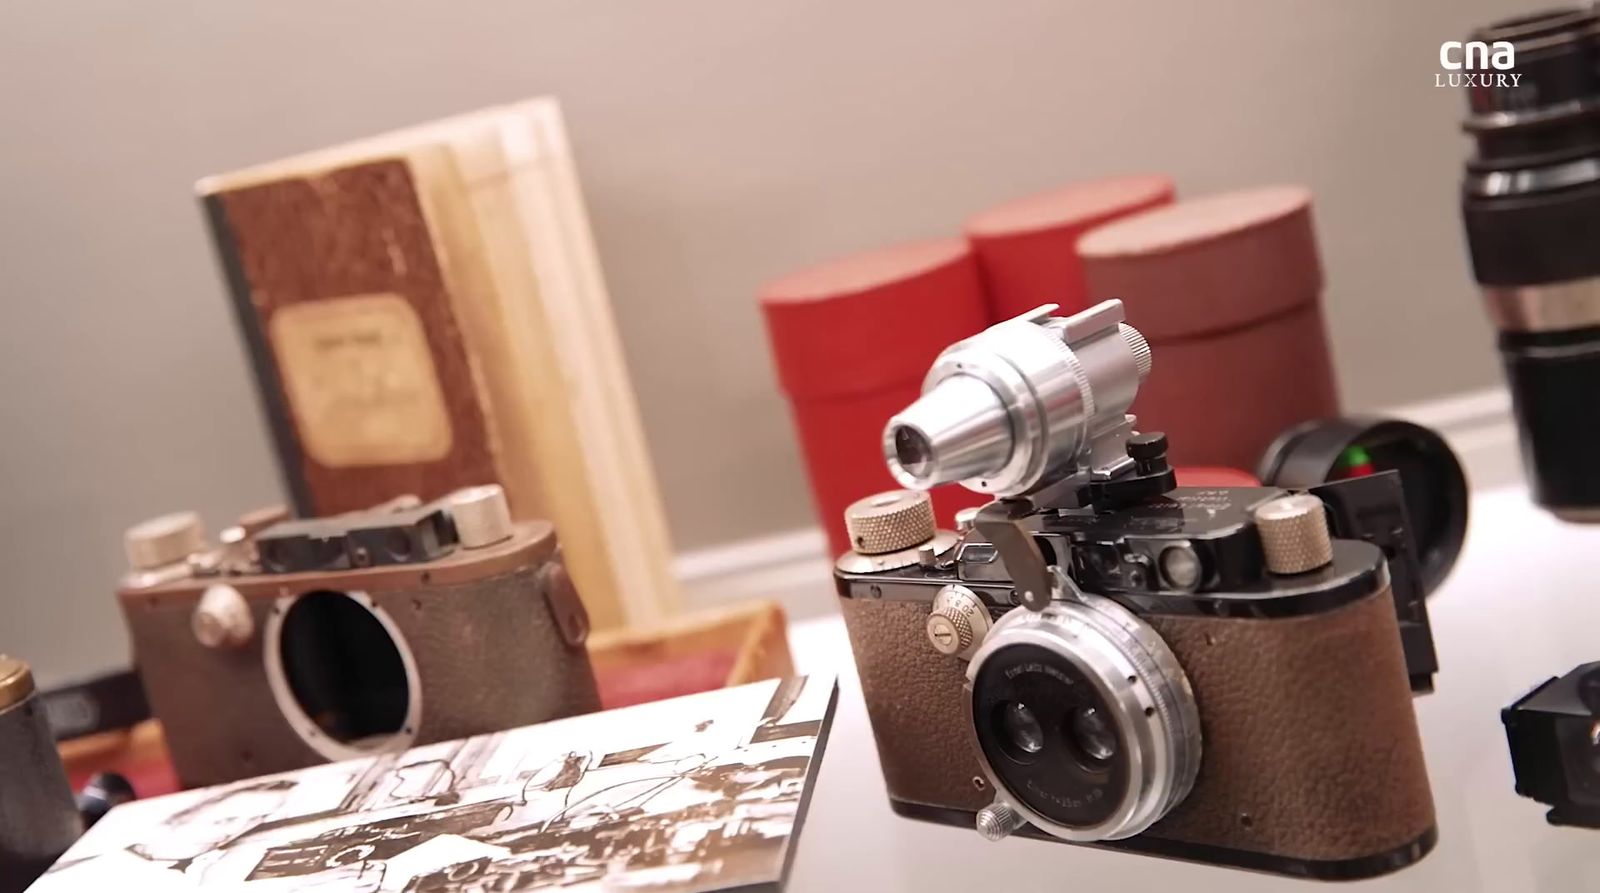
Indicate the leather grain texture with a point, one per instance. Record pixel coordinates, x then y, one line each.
916 702
38 818
357 230
1310 743
489 656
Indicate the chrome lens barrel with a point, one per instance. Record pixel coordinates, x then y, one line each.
1086 723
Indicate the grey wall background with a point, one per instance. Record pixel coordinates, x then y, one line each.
721 142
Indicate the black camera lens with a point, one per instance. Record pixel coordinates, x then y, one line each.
1092 736
1022 731
1049 736
1531 207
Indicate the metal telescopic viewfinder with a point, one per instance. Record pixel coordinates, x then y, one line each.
1024 405
1034 411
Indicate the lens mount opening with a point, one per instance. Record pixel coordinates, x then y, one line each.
341 674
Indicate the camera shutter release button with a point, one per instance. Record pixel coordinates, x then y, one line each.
1294 533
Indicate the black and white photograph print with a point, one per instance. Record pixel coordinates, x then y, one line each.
698 793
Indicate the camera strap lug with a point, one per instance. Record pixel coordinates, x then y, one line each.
566 607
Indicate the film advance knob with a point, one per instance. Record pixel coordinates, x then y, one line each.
166 540
222 618
958 621
1294 533
889 522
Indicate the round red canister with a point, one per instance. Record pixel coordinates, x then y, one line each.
1227 290
852 340
1027 248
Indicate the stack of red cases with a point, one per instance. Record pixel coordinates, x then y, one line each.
852 340
1227 289
1027 249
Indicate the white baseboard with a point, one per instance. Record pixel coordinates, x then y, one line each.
795 568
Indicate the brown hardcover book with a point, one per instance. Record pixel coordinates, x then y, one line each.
425 311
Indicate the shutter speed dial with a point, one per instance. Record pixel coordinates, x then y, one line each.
958 621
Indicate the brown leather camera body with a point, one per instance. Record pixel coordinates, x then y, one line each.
474 641
1311 761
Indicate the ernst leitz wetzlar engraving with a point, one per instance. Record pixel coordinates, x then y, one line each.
698 793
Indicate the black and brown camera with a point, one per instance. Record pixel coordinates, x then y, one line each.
295 642
1099 656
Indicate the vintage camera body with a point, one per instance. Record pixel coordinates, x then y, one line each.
1554 736
1102 657
303 641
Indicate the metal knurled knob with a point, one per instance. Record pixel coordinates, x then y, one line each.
889 522
1294 533
949 631
997 820
166 540
1139 347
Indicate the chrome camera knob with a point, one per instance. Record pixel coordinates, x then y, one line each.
163 541
890 522
997 820
1294 533
482 516
222 618
958 621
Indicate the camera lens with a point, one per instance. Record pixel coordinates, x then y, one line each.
1021 727
1083 719
1034 697
1092 736
1531 207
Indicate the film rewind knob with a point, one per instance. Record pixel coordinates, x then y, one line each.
166 540
1294 533
890 522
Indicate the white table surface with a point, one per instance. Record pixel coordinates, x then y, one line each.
1522 605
